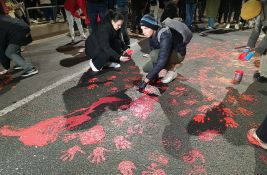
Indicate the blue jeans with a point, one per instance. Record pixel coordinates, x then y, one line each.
190 10
93 10
13 53
124 11
211 21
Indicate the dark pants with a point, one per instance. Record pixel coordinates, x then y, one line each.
262 131
124 11
48 12
190 10
135 19
235 6
93 10
101 59
223 11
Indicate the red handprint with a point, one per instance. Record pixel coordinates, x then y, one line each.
122 143
136 129
229 122
119 120
244 112
153 170
228 112
199 118
126 167
192 155
97 156
70 153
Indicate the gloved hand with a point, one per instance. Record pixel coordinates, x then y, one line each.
244 53
142 86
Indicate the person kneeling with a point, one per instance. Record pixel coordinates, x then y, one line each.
169 48
105 47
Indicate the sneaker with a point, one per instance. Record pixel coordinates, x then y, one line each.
93 66
237 26
254 139
30 72
210 28
170 76
114 65
17 68
228 26
3 72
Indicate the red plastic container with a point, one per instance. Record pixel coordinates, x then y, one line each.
238 76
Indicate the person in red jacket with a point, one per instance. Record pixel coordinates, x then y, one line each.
73 10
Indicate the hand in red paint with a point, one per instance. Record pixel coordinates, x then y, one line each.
199 118
97 155
245 112
229 122
126 167
70 153
69 137
122 143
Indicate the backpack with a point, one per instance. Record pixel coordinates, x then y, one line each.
180 27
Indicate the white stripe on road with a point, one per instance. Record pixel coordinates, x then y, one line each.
42 91
39 93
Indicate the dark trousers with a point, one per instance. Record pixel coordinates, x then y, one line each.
48 12
224 10
235 6
93 10
262 131
135 19
101 59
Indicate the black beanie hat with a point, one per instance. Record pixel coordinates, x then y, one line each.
150 22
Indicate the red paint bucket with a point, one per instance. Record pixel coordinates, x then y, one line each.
238 76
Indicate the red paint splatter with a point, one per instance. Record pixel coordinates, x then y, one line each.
192 156
199 118
142 107
121 142
227 112
175 93
70 153
208 135
204 108
119 121
174 102
113 89
229 122
109 83
128 86
197 170
111 77
126 168
47 131
93 80
93 136
92 86
136 129
184 112
263 158
231 99
249 98
180 88
244 112
98 155
190 102
157 157
153 170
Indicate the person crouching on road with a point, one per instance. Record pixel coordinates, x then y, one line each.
15 33
105 47
168 51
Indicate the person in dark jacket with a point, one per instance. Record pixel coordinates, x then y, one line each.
16 33
168 51
104 47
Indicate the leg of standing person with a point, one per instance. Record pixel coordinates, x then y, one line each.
13 52
71 25
92 14
80 28
102 11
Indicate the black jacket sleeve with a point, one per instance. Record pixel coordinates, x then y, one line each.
164 53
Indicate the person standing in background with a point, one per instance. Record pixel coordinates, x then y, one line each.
190 10
211 11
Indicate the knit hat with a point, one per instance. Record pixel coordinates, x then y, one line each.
250 9
150 22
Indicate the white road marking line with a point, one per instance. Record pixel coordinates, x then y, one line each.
42 91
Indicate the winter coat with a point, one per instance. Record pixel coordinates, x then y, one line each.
97 1
101 40
260 23
15 31
166 40
74 5
212 8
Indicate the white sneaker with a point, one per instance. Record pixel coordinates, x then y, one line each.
171 75
228 26
114 65
92 66
237 26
